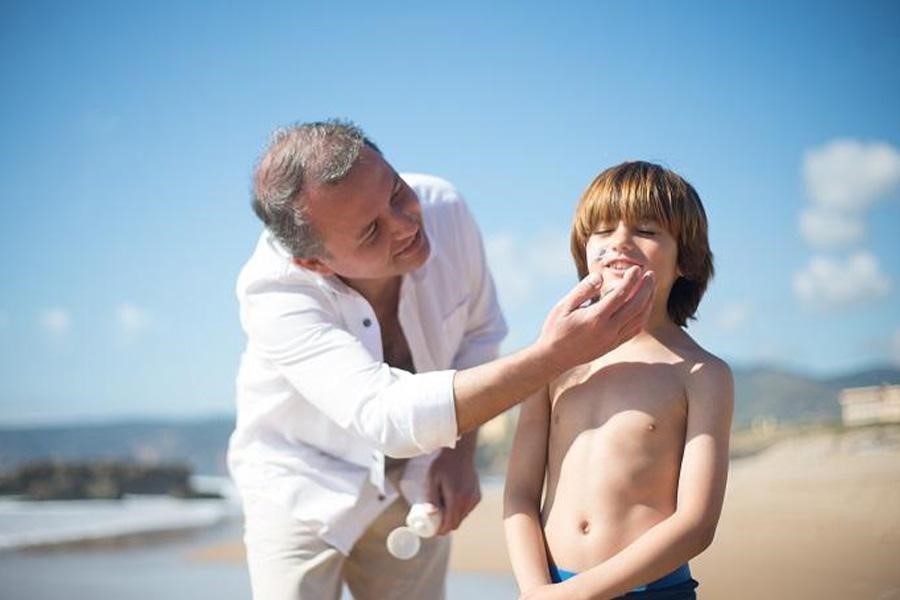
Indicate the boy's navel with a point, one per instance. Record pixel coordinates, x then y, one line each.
585 526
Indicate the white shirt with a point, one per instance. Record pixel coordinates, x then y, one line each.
318 409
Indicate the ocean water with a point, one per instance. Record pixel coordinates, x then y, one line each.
155 566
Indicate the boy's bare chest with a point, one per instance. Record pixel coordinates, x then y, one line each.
637 396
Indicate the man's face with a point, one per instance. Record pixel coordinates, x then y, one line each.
370 223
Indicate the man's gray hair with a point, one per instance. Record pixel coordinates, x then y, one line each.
297 158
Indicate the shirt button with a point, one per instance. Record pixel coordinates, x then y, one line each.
367 322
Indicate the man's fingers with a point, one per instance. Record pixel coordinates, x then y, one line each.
434 495
633 325
641 296
456 508
584 290
613 299
451 518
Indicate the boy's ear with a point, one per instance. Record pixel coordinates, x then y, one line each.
313 264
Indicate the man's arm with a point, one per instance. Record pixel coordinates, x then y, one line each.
701 490
572 335
405 415
522 493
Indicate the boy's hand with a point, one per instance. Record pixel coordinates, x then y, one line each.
577 334
547 592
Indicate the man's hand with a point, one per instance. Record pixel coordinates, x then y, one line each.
578 334
453 483
573 334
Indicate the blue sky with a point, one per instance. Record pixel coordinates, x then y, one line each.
128 132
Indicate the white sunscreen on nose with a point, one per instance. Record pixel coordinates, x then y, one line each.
598 255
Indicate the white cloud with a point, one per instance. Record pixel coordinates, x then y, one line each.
733 317
832 283
56 321
522 266
849 175
131 319
828 228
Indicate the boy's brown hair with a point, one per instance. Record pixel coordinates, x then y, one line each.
639 191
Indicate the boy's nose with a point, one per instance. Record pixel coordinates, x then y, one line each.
620 237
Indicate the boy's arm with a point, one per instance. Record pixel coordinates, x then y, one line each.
701 490
522 493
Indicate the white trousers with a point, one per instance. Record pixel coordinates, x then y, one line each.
287 561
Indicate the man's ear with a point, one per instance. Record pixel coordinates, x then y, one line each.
313 264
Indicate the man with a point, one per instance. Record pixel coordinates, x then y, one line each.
373 330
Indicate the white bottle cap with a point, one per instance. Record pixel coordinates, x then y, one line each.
424 518
403 543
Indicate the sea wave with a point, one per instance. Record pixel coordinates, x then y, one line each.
26 524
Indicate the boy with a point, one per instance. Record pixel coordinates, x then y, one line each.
634 445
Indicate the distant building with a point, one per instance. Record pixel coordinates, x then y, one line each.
868 405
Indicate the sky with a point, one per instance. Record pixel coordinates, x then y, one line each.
128 133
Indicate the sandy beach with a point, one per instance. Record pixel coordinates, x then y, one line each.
816 517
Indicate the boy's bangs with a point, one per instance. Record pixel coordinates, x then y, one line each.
632 206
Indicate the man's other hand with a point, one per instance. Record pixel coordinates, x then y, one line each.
453 484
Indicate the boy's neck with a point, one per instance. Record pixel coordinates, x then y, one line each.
660 325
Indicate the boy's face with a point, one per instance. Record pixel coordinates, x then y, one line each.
614 247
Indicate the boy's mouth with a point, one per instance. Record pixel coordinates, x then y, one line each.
620 264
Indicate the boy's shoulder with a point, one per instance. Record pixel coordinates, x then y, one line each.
700 356
701 365
706 372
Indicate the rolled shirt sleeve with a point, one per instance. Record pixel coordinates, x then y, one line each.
303 336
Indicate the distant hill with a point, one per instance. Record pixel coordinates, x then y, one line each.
199 443
772 393
760 393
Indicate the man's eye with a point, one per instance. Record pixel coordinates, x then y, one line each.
603 232
372 233
646 231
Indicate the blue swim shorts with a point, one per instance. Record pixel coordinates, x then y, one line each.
677 585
